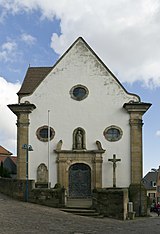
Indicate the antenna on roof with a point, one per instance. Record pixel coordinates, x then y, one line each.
29 65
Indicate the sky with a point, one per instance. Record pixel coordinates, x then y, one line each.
125 34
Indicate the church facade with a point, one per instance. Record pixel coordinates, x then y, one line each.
84 127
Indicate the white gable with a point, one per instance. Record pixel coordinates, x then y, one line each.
81 65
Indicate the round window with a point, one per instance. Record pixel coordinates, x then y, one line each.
79 92
113 133
42 133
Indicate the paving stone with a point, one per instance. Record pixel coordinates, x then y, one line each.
19 217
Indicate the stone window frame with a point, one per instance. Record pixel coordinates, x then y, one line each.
45 139
79 98
113 127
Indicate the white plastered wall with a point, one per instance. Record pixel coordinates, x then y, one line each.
103 107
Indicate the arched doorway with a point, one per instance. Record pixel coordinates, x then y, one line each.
79 181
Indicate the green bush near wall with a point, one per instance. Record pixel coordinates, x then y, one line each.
4 172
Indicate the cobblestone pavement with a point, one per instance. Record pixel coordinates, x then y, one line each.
19 217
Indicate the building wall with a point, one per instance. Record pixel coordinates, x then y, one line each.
103 107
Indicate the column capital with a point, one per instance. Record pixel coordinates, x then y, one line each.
22 108
140 107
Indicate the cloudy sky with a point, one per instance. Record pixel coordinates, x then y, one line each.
125 34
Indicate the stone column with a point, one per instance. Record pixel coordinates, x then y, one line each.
97 171
137 192
136 111
22 112
62 173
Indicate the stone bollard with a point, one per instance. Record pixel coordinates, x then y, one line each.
131 213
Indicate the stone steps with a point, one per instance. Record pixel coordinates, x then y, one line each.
79 203
80 206
82 212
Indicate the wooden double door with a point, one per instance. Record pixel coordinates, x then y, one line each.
79 181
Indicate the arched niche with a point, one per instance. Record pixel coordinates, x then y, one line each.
79 139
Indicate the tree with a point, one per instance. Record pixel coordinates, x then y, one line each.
4 172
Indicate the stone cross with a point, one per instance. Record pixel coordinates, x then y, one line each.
114 161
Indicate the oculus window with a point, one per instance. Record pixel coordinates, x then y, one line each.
42 133
79 92
113 133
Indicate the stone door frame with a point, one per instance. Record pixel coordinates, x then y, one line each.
92 158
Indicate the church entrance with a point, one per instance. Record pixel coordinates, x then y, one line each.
79 181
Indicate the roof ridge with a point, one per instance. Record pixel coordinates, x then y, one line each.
33 78
40 67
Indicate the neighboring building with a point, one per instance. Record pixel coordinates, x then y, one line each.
9 161
158 185
91 117
150 183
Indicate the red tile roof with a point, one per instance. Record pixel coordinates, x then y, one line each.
13 158
5 154
3 151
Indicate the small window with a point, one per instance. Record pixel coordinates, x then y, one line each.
152 195
153 184
113 133
79 92
42 133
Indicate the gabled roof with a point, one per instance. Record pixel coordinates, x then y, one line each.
3 151
35 75
148 179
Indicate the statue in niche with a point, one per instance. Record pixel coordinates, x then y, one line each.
79 140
